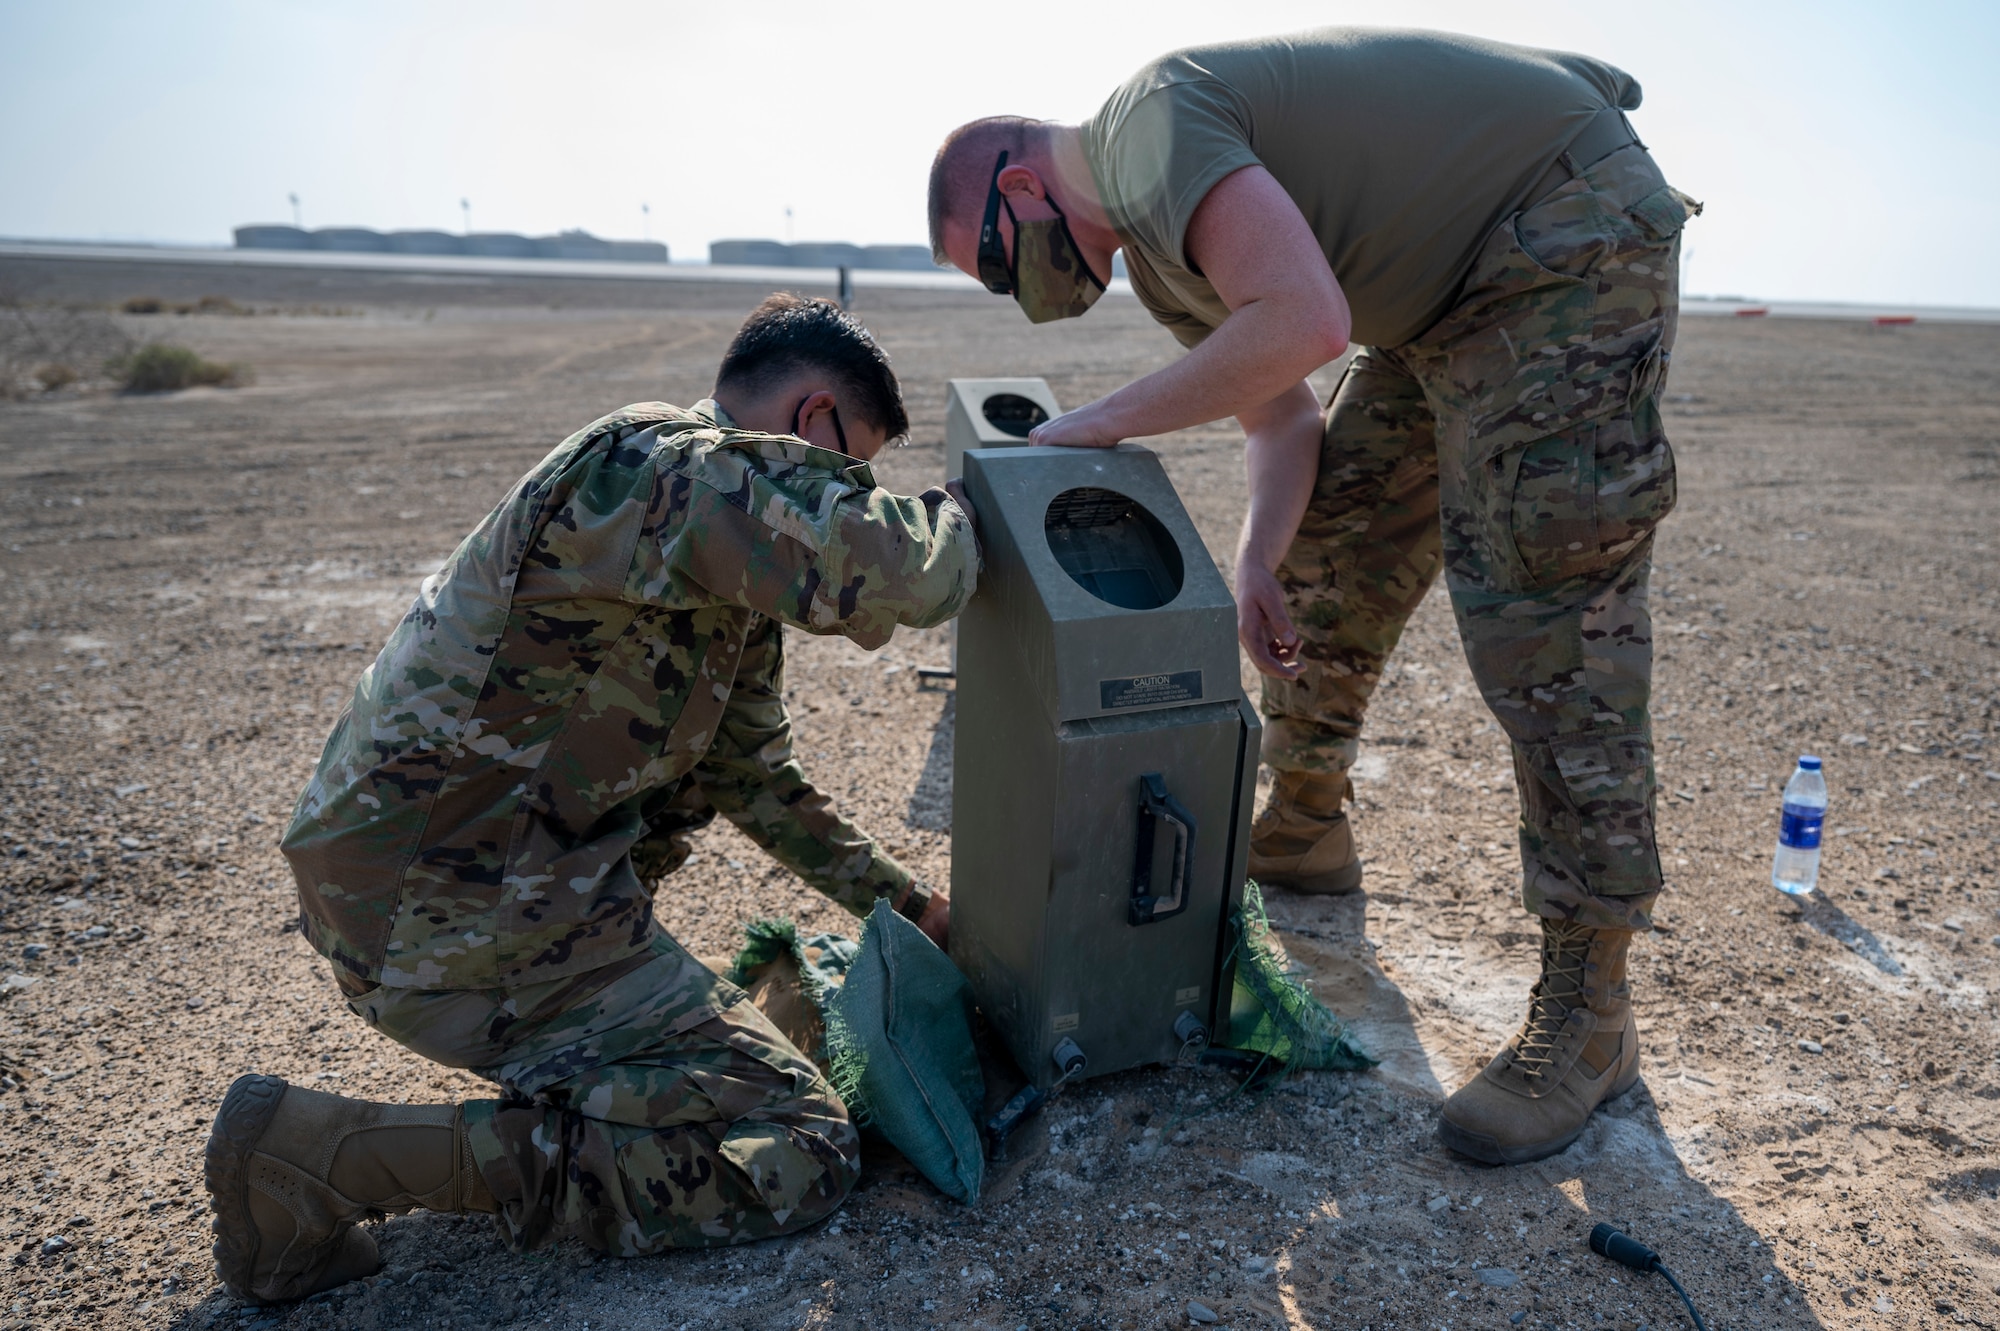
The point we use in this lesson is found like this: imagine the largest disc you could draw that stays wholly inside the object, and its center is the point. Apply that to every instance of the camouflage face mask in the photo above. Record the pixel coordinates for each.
(1048, 278)
(1051, 280)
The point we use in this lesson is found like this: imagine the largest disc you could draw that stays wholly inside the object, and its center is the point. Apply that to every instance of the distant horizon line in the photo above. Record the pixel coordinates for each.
(106, 248)
(127, 238)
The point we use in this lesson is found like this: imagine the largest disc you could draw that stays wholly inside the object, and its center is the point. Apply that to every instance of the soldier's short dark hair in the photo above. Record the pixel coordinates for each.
(962, 171)
(789, 333)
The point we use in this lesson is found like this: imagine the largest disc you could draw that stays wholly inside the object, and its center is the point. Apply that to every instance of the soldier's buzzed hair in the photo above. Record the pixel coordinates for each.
(962, 171)
(789, 333)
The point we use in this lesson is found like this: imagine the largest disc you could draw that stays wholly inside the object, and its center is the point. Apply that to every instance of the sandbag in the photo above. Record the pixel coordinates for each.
(1272, 1009)
(899, 1045)
(791, 979)
(890, 1019)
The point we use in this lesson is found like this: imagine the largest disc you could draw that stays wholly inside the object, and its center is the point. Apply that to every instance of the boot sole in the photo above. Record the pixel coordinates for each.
(1339, 883)
(1478, 1146)
(246, 1112)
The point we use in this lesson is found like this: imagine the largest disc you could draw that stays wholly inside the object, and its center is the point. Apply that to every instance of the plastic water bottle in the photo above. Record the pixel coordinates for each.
(1795, 867)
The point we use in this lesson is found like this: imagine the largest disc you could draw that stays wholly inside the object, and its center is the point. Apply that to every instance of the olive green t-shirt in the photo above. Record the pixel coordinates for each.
(1403, 149)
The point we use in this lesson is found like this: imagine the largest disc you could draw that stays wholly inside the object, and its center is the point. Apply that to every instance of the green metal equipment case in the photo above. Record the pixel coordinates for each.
(1104, 764)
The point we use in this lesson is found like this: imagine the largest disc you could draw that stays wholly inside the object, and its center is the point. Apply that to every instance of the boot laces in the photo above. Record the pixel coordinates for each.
(1565, 955)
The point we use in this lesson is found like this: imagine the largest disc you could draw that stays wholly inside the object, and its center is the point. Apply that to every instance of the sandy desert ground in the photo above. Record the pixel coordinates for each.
(189, 584)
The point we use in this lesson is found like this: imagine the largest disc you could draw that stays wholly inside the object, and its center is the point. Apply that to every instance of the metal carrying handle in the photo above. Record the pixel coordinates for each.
(1155, 804)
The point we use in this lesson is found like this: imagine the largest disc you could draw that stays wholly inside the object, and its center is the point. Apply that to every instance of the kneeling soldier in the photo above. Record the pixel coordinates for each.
(592, 676)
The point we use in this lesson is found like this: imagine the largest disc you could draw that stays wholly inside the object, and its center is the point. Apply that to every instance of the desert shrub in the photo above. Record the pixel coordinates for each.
(39, 343)
(143, 305)
(215, 305)
(163, 367)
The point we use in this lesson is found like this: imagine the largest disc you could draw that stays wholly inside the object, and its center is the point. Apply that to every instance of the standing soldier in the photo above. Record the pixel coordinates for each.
(1484, 220)
(594, 673)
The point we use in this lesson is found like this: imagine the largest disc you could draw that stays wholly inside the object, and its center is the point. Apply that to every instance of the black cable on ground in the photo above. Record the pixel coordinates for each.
(1629, 1252)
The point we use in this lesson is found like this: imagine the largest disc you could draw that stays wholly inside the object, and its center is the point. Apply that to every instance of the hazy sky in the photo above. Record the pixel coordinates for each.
(1847, 150)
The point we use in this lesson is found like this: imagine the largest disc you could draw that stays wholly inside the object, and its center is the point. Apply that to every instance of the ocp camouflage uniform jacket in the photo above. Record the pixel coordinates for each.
(609, 630)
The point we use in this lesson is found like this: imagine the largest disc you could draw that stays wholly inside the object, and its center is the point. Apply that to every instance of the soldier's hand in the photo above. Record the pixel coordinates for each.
(1263, 626)
(955, 487)
(935, 922)
(1086, 427)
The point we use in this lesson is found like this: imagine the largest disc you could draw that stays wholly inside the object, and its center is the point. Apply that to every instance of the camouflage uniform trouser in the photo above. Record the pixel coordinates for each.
(647, 1105)
(1518, 445)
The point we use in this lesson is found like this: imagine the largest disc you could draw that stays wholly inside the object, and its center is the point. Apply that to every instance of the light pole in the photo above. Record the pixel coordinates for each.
(465, 206)
(645, 221)
(296, 216)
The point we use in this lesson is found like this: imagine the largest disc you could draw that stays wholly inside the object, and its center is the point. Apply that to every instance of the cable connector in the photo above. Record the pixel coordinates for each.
(1623, 1249)
(1627, 1251)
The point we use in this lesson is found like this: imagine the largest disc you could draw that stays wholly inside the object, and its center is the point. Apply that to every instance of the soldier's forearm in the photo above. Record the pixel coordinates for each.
(1281, 462)
(797, 825)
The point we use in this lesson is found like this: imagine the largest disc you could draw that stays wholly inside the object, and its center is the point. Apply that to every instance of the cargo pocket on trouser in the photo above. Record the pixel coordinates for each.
(1581, 501)
(766, 1147)
(1587, 837)
(722, 1135)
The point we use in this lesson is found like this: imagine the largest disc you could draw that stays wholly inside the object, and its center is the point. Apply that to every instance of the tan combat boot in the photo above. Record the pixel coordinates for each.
(1578, 1049)
(289, 1172)
(1303, 840)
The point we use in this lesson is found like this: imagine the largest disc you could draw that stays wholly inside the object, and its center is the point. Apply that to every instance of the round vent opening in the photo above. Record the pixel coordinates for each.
(1010, 413)
(1113, 548)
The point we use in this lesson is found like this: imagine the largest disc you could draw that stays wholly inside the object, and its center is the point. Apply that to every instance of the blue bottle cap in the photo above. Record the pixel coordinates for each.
(1808, 763)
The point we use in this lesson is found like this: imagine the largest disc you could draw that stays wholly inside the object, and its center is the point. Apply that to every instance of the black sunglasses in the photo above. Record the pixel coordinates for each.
(993, 267)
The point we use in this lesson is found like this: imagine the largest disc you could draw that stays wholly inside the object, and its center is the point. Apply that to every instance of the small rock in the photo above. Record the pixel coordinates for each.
(1437, 1203)
(197, 1004)
(16, 981)
(1258, 1265)
(1518, 1317)
(34, 951)
(1811, 1047)
(1201, 1312)
(54, 1244)
(1499, 1277)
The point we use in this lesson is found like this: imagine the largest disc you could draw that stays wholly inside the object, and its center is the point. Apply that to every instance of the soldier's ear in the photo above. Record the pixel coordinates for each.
(1019, 182)
(818, 402)
(812, 418)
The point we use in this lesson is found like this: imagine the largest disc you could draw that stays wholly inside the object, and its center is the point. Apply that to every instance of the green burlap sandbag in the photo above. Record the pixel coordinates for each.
(1271, 1010)
(898, 1035)
(898, 1039)
(791, 979)
(899, 1043)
